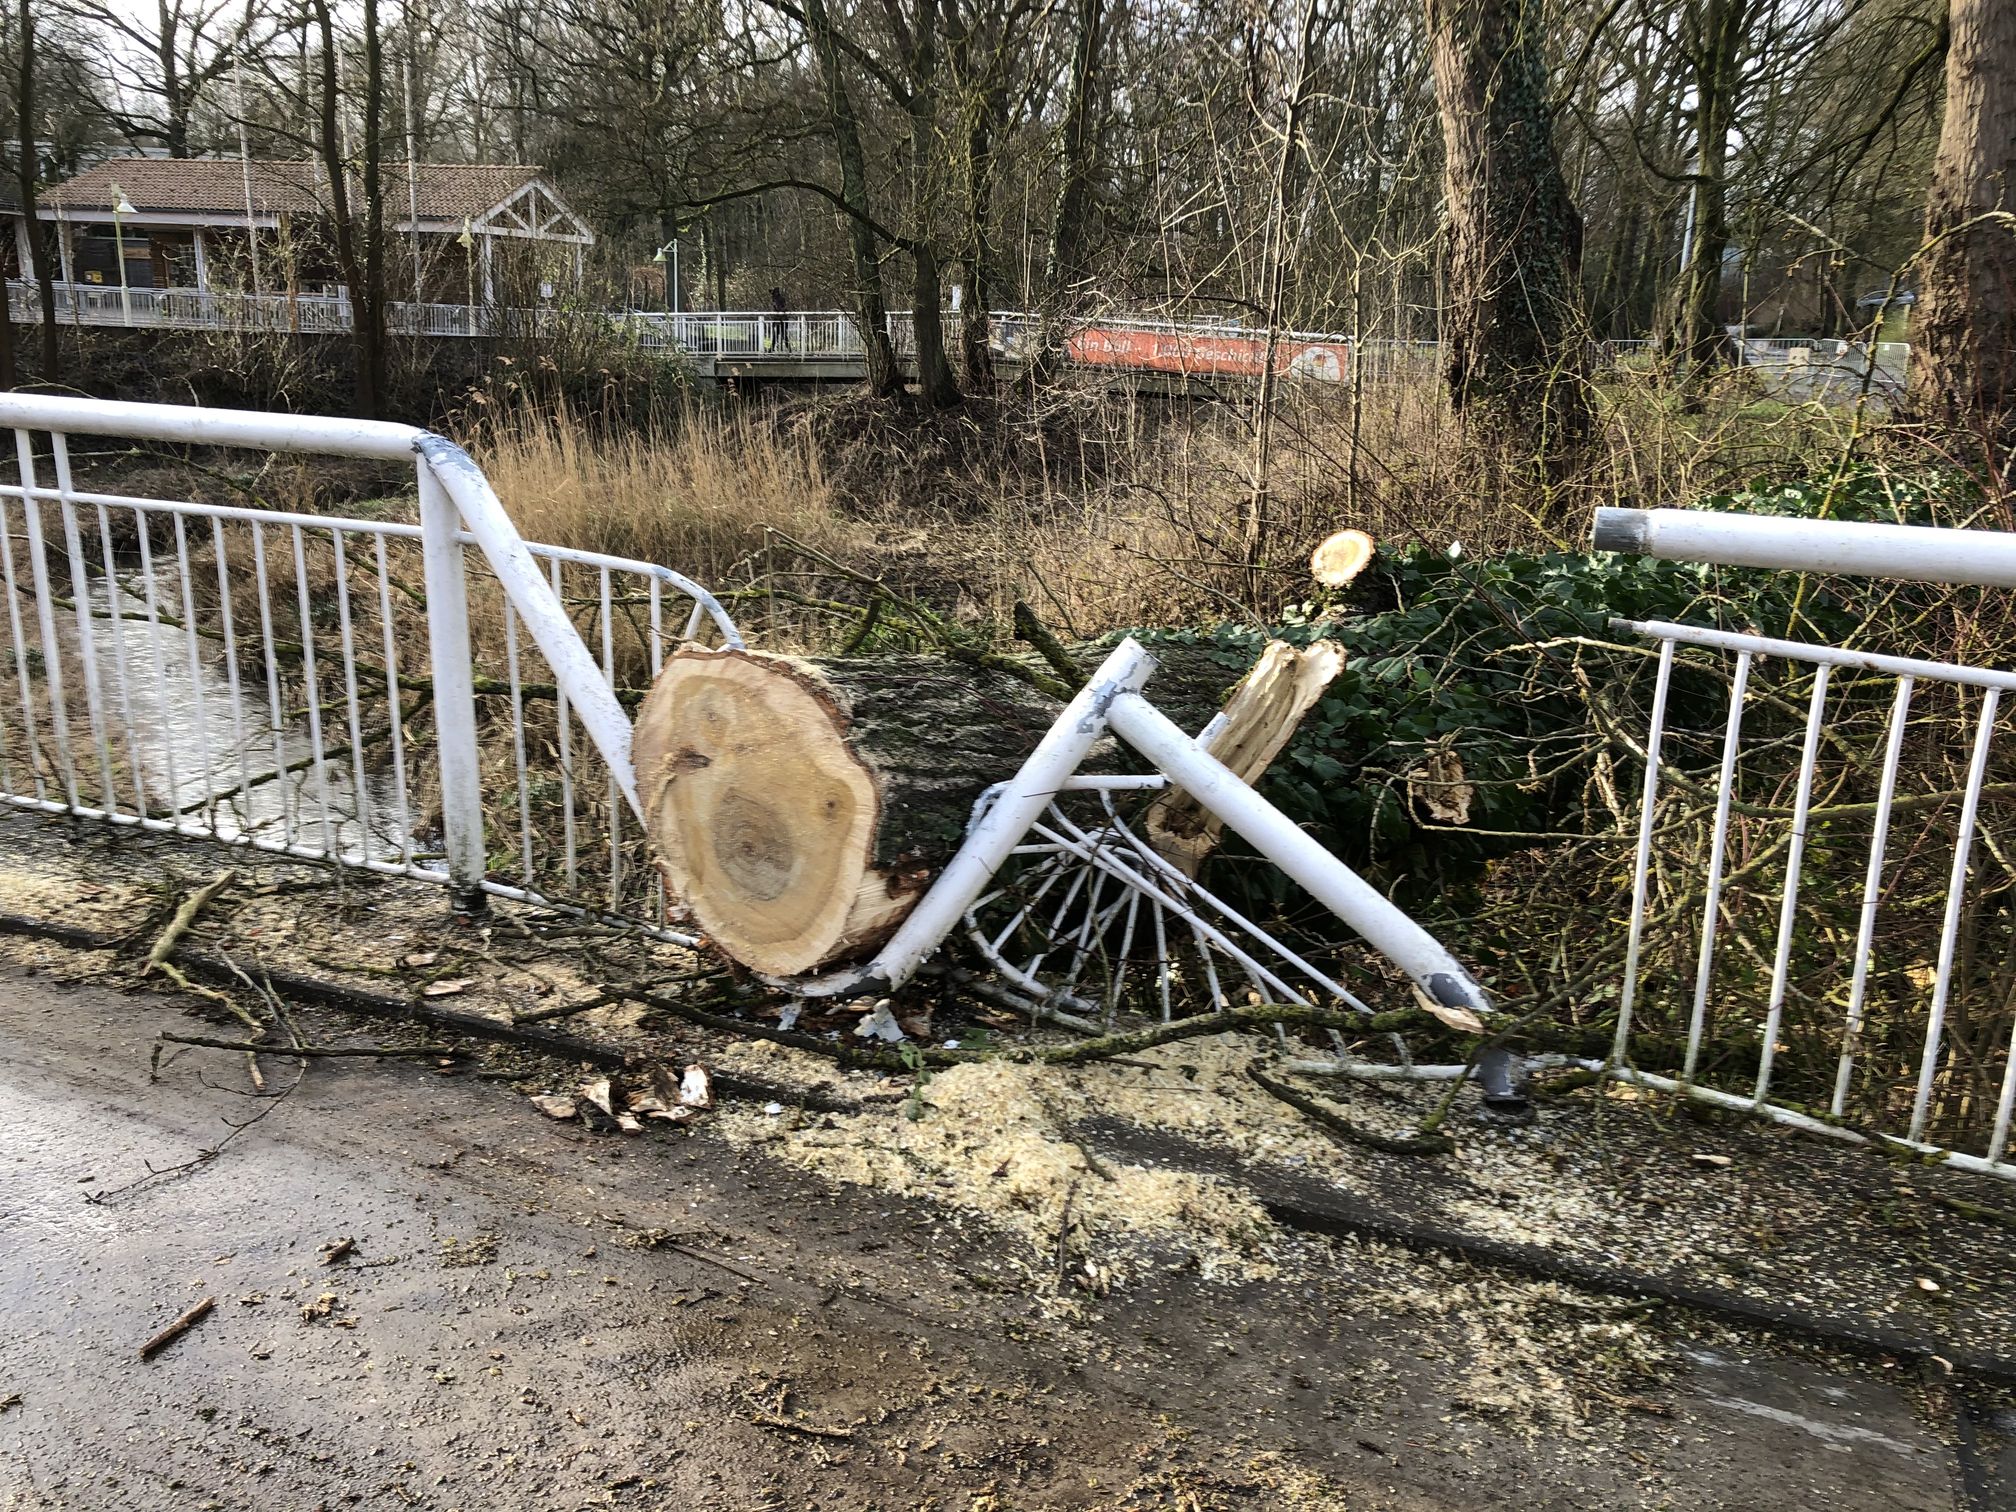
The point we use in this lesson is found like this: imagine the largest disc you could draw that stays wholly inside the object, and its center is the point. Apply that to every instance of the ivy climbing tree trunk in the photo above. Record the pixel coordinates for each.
(1515, 358)
(1963, 344)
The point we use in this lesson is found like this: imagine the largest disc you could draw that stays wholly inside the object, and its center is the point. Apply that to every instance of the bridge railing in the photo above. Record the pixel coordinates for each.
(434, 698)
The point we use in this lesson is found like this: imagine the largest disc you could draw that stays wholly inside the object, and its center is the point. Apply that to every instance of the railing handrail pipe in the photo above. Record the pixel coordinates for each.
(1908, 553)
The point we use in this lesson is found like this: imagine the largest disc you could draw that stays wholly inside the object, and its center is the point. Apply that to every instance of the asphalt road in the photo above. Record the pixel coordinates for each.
(533, 1317)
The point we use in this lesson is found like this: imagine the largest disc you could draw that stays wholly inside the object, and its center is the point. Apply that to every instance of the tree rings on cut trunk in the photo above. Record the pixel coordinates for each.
(799, 807)
(1339, 558)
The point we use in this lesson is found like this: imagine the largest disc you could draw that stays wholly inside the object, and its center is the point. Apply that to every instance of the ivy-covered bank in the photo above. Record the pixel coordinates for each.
(1511, 664)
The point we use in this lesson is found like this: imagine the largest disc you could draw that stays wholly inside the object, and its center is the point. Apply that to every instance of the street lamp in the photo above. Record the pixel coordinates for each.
(122, 206)
(671, 273)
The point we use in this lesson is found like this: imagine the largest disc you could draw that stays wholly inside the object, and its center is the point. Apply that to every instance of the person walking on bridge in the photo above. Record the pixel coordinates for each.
(780, 327)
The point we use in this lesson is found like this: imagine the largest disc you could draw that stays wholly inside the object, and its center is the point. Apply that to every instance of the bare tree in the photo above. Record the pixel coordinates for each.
(1964, 358)
(884, 376)
(360, 251)
(163, 70)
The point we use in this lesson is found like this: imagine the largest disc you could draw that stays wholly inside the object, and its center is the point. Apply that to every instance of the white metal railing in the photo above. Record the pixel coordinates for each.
(1845, 803)
(438, 699)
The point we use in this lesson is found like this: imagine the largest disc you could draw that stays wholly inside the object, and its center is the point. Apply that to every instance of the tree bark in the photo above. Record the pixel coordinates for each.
(885, 377)
(1063, 256)
(1963, 346)
(936, 386)
(27, 172)
(370, 317)
(365, 314)
(800, 808)
(1515, 356)
(1717, 53)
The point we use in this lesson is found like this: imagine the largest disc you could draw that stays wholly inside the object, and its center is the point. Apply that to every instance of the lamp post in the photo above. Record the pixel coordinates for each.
(671, 273)
(122, 206)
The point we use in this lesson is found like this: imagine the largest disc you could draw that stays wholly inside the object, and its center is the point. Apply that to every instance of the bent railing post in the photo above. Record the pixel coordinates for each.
(1329, 881)
(475, 507)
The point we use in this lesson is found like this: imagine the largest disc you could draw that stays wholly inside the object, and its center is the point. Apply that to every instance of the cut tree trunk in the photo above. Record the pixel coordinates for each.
(800, 807)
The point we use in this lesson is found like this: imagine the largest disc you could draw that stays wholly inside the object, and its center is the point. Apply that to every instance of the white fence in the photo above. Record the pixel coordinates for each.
(1819, 896)
(436, 699)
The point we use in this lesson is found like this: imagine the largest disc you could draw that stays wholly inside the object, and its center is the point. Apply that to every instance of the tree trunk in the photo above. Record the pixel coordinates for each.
(27, 172)
(1064, 255)
(799, 808)
(885, 378)
(1697, 332)
(1515, 355)
(349, 259)
(370, 317)
(1257, 526)
(936, 386)
(1963, 345)
(976, 336)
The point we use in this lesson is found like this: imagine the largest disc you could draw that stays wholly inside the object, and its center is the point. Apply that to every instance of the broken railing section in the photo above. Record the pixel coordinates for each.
(1878, 1056)
(759, 771)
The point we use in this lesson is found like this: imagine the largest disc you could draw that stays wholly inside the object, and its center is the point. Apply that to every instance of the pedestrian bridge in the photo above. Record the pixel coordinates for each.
(732, 346)
(727, 344)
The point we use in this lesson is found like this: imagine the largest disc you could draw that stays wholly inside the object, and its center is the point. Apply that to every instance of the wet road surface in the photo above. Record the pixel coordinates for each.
(533, 1317)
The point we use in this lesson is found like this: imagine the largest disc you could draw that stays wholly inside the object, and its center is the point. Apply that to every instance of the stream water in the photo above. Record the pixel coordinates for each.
(201, 730)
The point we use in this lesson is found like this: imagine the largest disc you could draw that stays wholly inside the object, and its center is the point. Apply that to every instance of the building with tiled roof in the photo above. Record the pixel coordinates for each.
(463, 228)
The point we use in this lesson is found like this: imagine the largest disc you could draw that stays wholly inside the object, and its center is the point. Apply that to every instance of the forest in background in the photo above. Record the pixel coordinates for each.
(1282, 164)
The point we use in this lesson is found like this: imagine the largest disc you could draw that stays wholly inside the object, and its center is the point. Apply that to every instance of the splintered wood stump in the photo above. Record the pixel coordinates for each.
(799, 807)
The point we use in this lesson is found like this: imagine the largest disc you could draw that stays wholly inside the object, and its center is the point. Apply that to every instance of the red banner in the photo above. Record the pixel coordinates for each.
(1206, 355)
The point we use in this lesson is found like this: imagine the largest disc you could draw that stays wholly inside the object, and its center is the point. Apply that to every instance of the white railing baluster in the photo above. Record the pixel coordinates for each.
(1872, 892)
(395, 719)
(451, 666)
(1642, 866)
(361, 789)
(311, 689)
(1949, 932)
(45, 616)
(87, 637)
(275, 710)
(1711, 907)
(1795, 860)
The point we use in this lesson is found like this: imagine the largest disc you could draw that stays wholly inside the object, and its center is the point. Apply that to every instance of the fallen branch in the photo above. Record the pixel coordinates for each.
(309, 1052)
(179, 1327)
(1033, 631)
(194, 904)
(785, 1425)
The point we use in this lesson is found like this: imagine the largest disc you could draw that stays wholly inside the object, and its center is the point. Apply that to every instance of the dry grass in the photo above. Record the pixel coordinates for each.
(701, 497)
